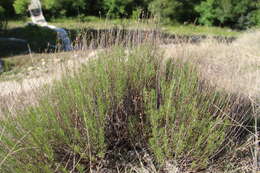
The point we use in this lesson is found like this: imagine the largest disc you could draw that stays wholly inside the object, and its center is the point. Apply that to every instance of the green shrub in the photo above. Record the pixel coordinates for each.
(124, 99)
(185, 124)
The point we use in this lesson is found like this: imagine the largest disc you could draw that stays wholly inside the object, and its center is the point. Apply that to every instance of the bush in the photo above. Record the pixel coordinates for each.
(122, 100)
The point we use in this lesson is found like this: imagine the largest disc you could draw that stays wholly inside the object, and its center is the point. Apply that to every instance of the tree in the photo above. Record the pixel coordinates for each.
(6, 11)
(21, 6)
(235, 13)
(53, 7)
(177, 10)
(117, 8)
(165, 9)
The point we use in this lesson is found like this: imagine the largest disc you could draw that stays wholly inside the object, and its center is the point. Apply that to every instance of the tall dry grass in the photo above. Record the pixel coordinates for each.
(234, 67)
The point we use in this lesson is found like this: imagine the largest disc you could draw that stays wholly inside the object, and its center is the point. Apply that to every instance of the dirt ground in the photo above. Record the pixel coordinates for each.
(21, 89)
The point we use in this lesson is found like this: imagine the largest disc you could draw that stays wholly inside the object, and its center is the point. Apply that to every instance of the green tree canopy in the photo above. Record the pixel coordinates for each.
(234, 13)
(178, 10)
(238, 13)
(53, 7)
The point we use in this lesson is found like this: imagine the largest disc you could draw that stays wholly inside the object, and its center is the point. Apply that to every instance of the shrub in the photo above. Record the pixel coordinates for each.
(125, 99)
(185, 125)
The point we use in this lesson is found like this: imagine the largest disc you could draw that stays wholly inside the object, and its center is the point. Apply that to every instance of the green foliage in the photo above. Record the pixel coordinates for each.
(255, 18)
(123, 99)
(163, 9)
(236, 13)
(207, 13)
(239, 14)
(201, 30)
(116, 8)
(53, 7)
(184, 126)
(21, 6)
(64, 7)
(175, 10)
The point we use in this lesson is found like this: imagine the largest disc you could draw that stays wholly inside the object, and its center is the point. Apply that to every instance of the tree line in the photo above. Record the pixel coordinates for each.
(238, 14)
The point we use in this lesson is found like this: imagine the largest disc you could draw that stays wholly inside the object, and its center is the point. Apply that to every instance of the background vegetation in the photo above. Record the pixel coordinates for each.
(239, 14)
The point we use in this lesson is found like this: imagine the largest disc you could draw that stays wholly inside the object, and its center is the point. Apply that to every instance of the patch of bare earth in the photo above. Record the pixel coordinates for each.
(24, 89)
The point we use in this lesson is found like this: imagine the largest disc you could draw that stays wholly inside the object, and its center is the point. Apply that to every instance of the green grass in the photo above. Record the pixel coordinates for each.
(121, 101)
(200, 30)
(88, 22)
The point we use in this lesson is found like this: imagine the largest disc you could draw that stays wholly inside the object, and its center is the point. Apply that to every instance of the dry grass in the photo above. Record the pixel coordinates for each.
(20, 87)
(234, 67)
